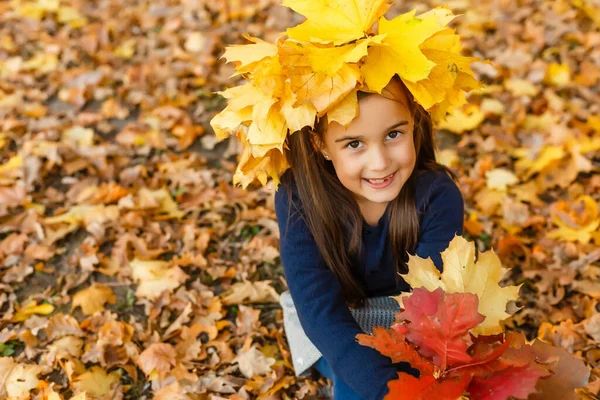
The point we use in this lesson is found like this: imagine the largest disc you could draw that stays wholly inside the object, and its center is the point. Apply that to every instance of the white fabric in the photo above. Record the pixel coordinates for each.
(378, 311)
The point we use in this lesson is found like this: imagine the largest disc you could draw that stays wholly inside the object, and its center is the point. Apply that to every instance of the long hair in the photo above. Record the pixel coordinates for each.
(332, 214)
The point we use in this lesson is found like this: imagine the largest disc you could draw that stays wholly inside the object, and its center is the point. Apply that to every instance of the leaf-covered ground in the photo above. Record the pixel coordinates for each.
(130, 267)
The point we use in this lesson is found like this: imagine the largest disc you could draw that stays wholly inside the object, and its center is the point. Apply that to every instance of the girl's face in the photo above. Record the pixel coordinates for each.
(374, 157)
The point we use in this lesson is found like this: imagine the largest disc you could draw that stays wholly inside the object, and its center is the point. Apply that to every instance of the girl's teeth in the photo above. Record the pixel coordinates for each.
(376, 181)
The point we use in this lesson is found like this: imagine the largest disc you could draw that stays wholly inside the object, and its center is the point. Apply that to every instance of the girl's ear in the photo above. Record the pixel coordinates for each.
(316, 142)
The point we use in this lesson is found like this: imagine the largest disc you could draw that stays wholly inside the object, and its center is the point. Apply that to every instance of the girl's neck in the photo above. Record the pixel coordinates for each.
(372, 213)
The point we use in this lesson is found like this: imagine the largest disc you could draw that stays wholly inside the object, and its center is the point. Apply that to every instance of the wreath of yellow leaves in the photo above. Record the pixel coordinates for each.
(317, 67)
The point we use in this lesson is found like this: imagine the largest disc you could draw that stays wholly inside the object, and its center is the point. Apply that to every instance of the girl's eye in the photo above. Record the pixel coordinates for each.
(394, 134)
(356, 142)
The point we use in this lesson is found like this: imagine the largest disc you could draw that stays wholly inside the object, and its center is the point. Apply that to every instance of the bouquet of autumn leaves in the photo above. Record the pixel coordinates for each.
(449, 329)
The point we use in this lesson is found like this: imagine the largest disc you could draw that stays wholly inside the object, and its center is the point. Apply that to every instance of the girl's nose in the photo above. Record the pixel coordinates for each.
(378, 159)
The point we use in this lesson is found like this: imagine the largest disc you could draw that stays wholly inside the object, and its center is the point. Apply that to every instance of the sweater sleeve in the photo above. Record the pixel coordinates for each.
(443, 217)
(323, 314)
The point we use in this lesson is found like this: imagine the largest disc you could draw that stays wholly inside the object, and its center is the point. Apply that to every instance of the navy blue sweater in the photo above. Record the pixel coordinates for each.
(317, 293)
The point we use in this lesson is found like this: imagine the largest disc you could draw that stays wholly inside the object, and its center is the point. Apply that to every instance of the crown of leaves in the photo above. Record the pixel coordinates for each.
(317, 67)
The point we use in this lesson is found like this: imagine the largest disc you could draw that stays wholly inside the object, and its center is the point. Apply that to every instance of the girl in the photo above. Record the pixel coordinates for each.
(353, 204)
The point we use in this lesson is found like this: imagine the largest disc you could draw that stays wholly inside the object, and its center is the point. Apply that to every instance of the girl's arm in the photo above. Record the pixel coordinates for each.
(323, 314)
(442, 218)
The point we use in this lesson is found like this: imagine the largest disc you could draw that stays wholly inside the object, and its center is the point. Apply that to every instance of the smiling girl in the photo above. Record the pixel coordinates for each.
(340, 115)
(371, 194)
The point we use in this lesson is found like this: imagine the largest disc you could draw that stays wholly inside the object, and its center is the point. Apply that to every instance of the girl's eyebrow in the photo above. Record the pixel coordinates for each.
(397, 124)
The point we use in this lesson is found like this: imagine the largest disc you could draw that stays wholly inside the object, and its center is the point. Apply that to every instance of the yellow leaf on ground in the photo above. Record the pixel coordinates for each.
(576, 221)
(154, 277)
(96, 382)
(28, 309)
(461, 120)
(500, 178)
(447, 157)
(93, 298)
(79, 135)
(158, 357)
(250, 292)
(253, 362)
(463, 274)
(521, 87)
(558, 74)
(17, 380)
(530, 163)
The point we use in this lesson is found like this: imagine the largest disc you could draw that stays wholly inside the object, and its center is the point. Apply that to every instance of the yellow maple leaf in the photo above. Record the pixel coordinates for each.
(79, 135)
(320, 89)
(399, 51)
(463, 274)
(521, 87)
(447, 157)
(451, 75)
(157, 358)
(126, 49)
(335, 21)
(38, 9)
(268, 129)
(577, 221)
(297, 118)
(96, 381)
(17, 380)
(249, 168)
(345, 111)
(228, 121)
(12, 167)
(71, 16)
(558, 75)
(166, 207)
(530, 162)
(461, 120)
(500, 178)
(245, 56)
(93, 298)
(239, 110)
(325, 59)
(153, 277)
(250, 292)
(84, 215)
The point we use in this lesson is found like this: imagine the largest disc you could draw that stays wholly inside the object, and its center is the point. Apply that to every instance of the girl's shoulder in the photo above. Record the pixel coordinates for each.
(286, 197)
(426, 179)
(435, 186)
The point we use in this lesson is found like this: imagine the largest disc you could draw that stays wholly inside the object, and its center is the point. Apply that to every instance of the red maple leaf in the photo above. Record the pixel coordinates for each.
(451, 361)
(516, 382)
(427, 387)
(393, 344)
(440, 324)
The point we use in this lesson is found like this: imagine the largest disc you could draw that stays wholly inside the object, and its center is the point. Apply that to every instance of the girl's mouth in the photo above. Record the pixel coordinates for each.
(380, 183)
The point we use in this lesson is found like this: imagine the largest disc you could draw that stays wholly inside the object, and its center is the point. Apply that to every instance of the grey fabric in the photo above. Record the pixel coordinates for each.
(378, 311)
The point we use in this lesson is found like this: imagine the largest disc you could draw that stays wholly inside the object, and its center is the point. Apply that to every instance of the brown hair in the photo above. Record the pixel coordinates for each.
(334, 218)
